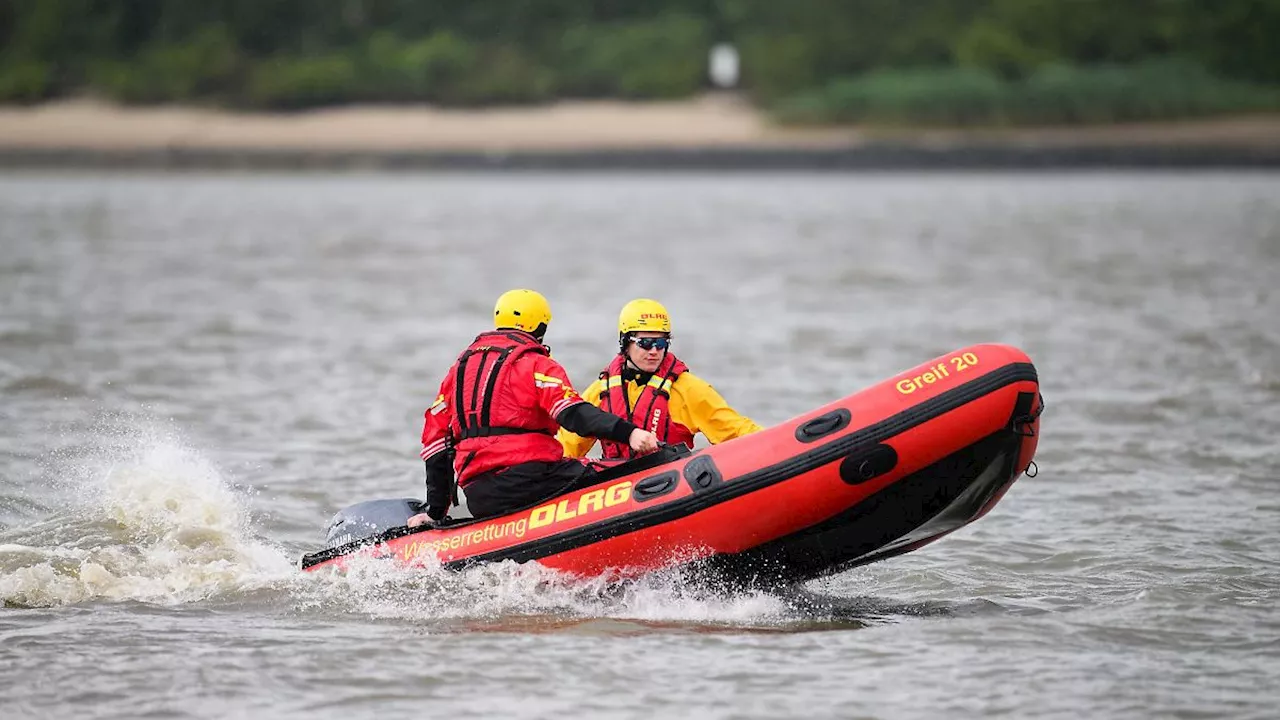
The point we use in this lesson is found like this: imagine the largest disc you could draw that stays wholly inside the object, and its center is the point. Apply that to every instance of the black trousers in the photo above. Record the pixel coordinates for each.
(501, 491)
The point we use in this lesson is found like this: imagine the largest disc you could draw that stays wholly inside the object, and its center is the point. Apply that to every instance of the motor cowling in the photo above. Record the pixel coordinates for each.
(369, 519)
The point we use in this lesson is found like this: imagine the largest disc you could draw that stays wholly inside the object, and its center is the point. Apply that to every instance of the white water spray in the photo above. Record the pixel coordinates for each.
(158, 525)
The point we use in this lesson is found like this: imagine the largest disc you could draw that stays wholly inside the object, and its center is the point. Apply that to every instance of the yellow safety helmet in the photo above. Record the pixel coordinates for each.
(523, 310)
(643, 315)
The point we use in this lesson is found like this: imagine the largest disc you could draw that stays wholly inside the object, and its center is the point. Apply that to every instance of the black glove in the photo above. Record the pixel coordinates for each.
(439, 486)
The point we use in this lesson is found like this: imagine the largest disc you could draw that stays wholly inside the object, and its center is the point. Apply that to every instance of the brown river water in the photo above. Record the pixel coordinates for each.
(197, 370)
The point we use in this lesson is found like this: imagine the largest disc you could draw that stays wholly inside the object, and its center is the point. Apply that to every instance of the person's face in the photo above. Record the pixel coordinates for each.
(649, 359)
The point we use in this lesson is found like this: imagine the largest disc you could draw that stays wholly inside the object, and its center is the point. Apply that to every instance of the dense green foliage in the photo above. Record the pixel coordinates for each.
(938, 61)
(1052, 94)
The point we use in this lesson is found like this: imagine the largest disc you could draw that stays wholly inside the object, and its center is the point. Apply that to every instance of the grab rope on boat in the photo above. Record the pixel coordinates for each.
(1022, 424)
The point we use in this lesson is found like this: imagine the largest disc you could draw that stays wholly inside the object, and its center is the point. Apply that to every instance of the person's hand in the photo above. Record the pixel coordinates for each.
(419, 519)
(643, 441)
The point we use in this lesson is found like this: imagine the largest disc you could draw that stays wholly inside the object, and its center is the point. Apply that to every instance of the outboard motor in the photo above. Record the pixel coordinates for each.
(369, 519)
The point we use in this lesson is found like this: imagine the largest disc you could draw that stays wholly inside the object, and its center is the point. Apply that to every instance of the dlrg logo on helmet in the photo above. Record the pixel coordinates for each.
(644, 315)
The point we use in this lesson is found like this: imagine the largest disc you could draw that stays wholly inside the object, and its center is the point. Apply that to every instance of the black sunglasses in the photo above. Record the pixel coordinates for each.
(648, 343)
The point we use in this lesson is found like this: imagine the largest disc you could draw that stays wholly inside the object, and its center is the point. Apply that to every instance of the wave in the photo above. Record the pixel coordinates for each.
(45, 385)
(159, 525)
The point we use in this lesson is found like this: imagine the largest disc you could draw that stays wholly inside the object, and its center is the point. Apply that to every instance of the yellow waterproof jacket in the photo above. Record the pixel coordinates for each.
(694, 404)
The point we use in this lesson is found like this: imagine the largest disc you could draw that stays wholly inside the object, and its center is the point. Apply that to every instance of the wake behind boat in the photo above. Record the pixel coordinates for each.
(879, 473)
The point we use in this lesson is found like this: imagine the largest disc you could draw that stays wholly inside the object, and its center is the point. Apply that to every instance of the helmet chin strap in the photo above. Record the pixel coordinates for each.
(631, 371)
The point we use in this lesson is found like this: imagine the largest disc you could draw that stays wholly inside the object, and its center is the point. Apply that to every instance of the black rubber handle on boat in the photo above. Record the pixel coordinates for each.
(823, 425)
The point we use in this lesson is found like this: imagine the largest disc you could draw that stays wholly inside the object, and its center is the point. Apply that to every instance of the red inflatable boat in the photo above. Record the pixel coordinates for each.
(876, 474)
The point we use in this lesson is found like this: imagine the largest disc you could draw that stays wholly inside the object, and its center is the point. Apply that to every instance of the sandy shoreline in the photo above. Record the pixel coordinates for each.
(711, 131)
(707, 122)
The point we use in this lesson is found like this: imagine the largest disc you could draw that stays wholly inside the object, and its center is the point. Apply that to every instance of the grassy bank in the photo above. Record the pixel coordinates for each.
(1052, 95)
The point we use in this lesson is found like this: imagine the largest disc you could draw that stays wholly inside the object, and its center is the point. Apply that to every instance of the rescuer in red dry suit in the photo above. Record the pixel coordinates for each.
(493, 424)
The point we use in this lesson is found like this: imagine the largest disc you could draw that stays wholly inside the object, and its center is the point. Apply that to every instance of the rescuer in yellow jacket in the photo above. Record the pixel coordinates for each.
(649, 386)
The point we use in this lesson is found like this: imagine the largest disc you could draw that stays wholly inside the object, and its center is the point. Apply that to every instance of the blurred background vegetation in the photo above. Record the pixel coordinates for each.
(911, 62)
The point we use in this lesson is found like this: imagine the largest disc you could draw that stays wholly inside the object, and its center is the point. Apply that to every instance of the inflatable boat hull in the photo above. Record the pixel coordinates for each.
(879, 473)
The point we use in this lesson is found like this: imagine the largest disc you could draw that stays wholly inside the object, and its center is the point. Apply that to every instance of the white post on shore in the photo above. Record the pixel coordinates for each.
(722, 65)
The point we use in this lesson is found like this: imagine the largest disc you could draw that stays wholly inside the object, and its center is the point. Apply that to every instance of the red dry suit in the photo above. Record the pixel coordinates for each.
(498, 404)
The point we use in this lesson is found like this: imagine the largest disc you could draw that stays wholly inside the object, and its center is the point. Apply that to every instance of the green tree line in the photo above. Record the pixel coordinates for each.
(942, 61)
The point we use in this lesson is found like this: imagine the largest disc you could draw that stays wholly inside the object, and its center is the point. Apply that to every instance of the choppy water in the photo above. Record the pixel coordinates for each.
(197, 370)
